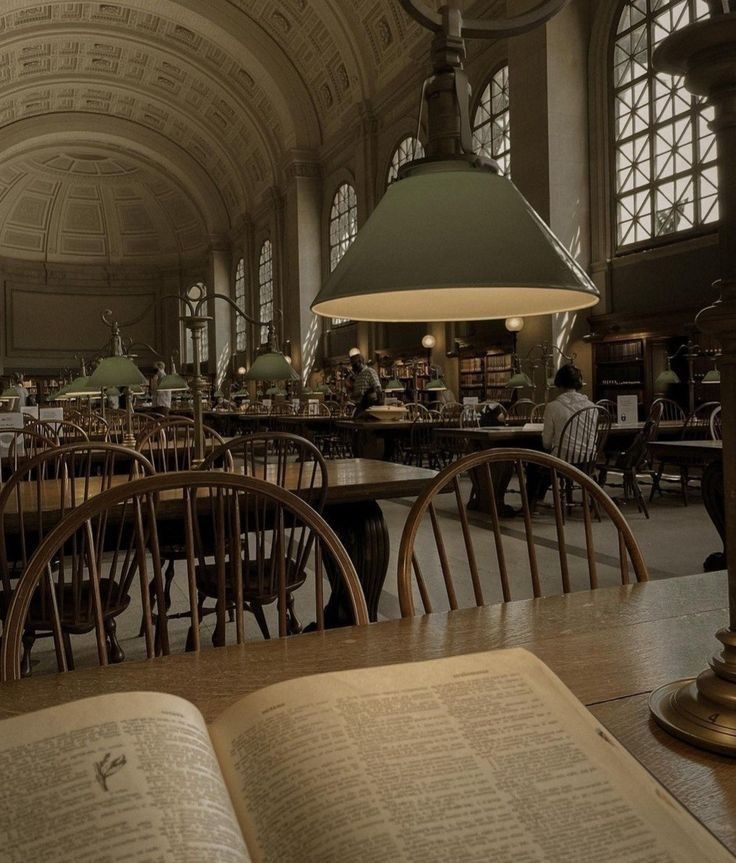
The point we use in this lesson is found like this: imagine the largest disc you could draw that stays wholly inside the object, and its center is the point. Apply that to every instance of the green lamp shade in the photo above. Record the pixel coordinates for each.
(519, 381)
(437, 385)
(173, 383)
(10, 393)
(81, 386)
(271, 366)
(712, 377)
(116, 372)
(394, 386)
(666, 378)
(476, 250)
(275, 391)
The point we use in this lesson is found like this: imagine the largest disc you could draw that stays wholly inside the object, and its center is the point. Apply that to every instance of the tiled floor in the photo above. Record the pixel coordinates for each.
(674, 541)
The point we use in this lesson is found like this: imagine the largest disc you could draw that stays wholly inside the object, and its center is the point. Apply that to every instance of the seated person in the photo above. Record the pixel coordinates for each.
(569, 380)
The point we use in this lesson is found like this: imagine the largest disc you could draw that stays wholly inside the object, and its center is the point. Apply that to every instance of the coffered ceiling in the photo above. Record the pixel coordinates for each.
(204, 98)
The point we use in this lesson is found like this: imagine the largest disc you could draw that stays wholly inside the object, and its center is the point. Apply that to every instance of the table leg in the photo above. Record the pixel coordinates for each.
(712, 491)
(362, 529)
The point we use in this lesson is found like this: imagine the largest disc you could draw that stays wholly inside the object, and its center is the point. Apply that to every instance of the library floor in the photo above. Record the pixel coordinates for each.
(674, 541)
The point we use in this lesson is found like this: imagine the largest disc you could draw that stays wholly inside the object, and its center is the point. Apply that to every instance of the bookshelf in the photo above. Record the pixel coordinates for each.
(620, 369)
(486, 375)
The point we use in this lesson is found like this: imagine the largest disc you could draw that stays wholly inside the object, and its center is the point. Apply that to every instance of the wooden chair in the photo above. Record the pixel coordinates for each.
(289, 461)
(610, 405)
(41, 493)
(584, 437)
(169, 445)
(18, 446)
(450, 412)
(521, 410)
(314, 410)
(256, 409)
(95, 426)
(348, 410)
(496, 562)
(469, 417)
(416, 411)
(262, 533)
(697, 427)
(64, 431)
(537, 414)
(715, 424)
(635, 460)
(671, 411)
(282, 409)
(423, 449)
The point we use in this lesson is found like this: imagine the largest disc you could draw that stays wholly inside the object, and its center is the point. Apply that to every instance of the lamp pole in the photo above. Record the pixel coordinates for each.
(195, 321)
(703, 711)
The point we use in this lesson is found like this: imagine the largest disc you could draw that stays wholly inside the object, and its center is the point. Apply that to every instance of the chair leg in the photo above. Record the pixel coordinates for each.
(640, 502)
(684, 477)
(260, 617)
(115, 652)
(29, 638)
(168, 578)
(293, 625)
(656, 487)
(68, 651)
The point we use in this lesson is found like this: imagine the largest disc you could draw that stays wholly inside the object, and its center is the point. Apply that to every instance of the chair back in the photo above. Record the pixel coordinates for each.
(256, 409)
(169, 445)
(416, 411)
(584, 437)
(636, 456)
(537, 414)
(286, 459)
(697, 425)
(65, 431)
(95, 426)
(258, 525)
(671, 410)
(500, 560)
(521, 409)
(18, 446)
(282, 409)
(47, 487)
(334, 408)
(348, 410)
(451, 411)
(314, 410)
(610, 405)
(469, 417)
(715, 424)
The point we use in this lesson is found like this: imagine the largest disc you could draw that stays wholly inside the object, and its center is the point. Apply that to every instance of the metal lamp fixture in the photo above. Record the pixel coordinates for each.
(394, 386)
(703, 711)
(477, 250)
(690, 351)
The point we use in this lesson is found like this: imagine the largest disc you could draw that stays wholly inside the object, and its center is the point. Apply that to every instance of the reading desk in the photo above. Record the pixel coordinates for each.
(611, 647)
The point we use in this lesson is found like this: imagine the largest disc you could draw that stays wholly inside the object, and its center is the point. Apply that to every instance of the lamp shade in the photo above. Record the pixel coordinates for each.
(437, 385)
(116, 372)
(519, 381)
(712, 377)
(81, 386)
(476, 251)
(271, 366)
(394, 386)
(173, 383)
(666, 378)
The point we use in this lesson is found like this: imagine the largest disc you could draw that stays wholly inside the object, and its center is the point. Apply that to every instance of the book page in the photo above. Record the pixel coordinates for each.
(476, 758)
(129, 777)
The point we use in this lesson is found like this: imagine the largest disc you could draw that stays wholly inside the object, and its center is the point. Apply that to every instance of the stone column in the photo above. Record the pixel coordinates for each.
(303, 258)
(220, 329)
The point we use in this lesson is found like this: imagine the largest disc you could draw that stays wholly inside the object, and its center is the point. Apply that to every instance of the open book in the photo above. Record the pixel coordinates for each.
(481, 758)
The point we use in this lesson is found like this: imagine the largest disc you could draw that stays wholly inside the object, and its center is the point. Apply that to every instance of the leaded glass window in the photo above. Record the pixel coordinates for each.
(240, 323)
(491, 124)
(343, 228)
(407, 151)
(665, 155)
(265, 288)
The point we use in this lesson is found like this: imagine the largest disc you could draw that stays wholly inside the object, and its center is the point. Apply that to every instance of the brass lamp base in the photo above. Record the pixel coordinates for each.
(702, 711)
(129, 440)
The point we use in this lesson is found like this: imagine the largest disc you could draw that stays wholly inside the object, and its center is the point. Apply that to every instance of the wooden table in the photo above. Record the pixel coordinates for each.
(611, 647)
(354, 488)
(378, 438)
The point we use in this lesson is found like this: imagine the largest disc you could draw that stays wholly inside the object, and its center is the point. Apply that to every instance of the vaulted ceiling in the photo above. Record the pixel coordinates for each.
(204, 97)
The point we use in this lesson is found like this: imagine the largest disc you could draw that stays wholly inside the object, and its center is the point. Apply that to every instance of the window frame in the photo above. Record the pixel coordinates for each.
(266, 308)
(332, 218)
(241, 325)
(488, 83)
(703, 229)
(418, 149)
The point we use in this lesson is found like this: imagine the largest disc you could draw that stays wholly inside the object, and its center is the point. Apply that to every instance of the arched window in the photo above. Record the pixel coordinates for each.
(665, 156)
(240, 323)
(195, 293)
(265, 287)
(343, 227)
(491, 124)
(407, 151)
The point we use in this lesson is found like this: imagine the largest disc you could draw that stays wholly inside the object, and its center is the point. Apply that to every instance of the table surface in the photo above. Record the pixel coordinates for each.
(680, 446)
(348, 480)
(610, 646)
(511, 431)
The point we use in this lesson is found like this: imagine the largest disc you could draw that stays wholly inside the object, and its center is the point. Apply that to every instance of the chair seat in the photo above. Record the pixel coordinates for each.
(263, 588)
